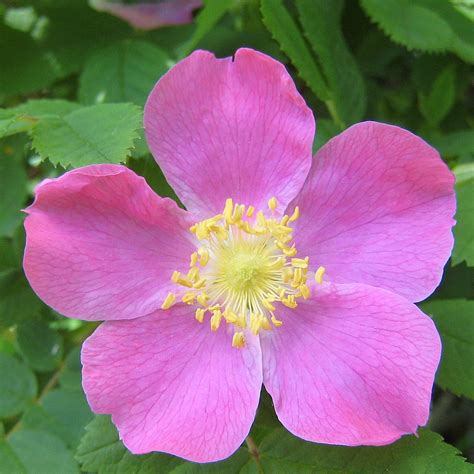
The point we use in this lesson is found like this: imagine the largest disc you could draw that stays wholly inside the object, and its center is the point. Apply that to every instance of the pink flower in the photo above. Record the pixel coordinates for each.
(345, 354)
(150, 15)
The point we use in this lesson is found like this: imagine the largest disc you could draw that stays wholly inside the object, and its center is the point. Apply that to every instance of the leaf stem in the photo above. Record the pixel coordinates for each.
(253, 450)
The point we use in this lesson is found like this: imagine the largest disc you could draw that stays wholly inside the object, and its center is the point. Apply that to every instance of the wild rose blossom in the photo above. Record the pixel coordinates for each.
(296, 272)
(150, 15)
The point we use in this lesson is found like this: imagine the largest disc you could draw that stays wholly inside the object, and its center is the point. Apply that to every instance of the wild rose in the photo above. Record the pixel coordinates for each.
(150, 15)
(296, 272)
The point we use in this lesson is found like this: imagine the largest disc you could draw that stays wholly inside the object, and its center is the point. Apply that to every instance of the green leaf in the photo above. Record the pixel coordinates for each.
(96, 134)
(101, 451)
(7, 256)
(321, 22)
(25, 66)
(70, 377)
(21, 19)
(326, 129)
(64, 413)
(74, 31)
(9, 462)
(149, 169)
(24, 117)
(464, 172)
(13, 193)
(285, 31)
(17, 300)
(435, 105)
(282, 453)
(456, 144)
(40, 452)
(279, 452)
(17, 386)
(427, 25)
(40, 108)
(70, 412)
(206, 19)
(454, 319)
(41, 346)
(464, 229)
(123, 72)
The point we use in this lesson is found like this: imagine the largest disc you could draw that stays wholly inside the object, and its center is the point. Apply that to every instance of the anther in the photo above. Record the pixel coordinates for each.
(300, 262)
(295, 215)
(198, 284)
(229, 206)
(193, 274)
(169, 301)
(194, 259)
(204, 256)
(276, 322)
(188, 297)
(216, 319)
(267, 304)
(318, 276)
(200, 314)
(238, 340)
(203, 298)
(304, 289)
(272, 203)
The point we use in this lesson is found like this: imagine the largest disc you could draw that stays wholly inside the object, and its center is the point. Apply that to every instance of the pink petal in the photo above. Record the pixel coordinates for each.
(353, 365)
(234, 127)
(102, 245)
(377, 208)
(147, 15)
(172, 385)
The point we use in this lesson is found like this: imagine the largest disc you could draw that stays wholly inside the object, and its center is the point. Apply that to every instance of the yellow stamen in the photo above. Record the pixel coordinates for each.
(277, 323)
(194, 259)
(268, 305)
(200, 315)
(216, 319)
(177, 278)
(305, 291)
(290, 301)
(188, 298)
(238, 340)
(203, 298)
(193, 274)
(204, 256)
(198, 284)
(169, 301)
(246, 264)
(272, 203)
(295, 215)
(229, 206)
(297, 278)
(318, 276)
(300, 262)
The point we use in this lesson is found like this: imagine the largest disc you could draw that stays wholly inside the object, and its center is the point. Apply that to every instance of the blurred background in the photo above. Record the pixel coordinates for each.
(404, 62)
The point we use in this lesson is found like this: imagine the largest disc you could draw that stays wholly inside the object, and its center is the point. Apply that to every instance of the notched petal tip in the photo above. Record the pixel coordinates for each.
(196, 110)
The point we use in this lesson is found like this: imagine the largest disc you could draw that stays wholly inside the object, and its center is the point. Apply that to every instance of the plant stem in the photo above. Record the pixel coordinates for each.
(253, 450)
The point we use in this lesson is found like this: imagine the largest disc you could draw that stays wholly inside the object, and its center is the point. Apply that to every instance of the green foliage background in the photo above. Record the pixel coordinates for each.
(73, 82)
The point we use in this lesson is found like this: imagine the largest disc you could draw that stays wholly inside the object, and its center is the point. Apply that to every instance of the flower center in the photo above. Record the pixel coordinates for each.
(244, 263)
